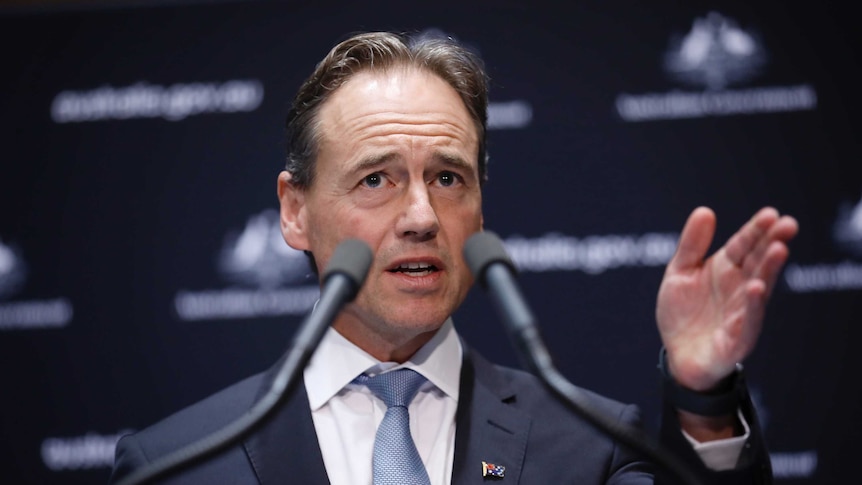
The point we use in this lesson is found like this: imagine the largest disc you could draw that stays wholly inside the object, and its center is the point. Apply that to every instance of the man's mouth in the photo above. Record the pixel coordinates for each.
(414, 269)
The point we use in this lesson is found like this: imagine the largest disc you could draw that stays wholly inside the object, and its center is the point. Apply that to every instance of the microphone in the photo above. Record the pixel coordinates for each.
(490, 264)
(341, 281)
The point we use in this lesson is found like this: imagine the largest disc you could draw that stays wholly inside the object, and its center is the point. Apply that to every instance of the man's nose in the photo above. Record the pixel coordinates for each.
(419, 219)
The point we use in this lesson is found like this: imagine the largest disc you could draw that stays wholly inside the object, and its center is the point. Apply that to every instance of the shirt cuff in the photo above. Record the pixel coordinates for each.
(720, 455)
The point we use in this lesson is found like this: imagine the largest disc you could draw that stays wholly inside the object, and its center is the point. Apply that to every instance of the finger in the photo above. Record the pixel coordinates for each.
(695, 239)
(755, 292)
(786, 228)
(774, 259)
(783, 230)
(743, 326)
(756, 297)
(745, 240)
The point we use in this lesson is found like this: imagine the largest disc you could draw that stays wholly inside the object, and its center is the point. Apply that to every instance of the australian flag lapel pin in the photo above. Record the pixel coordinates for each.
(492, 470)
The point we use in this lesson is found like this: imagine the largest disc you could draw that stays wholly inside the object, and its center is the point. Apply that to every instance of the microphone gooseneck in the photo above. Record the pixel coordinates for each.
(341, 281)
(494, 270)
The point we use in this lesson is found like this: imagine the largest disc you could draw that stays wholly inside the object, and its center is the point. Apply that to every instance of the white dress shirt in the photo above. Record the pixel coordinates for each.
(346, 415)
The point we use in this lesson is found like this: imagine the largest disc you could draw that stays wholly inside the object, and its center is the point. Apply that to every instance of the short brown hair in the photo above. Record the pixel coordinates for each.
(443, 56)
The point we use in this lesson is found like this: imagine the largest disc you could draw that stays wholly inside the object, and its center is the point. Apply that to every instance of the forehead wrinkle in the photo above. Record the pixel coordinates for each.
(366, 129)
(346, 118)
(426, 124)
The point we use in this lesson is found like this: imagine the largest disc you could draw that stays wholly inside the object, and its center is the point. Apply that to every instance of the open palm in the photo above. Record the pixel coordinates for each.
(710, 310)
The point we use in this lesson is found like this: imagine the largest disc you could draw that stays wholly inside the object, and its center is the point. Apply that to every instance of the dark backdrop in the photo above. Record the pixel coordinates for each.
(141, 268)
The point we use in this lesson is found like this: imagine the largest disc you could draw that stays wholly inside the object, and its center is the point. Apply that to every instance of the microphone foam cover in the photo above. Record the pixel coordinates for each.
(482, 249)
(351, 258)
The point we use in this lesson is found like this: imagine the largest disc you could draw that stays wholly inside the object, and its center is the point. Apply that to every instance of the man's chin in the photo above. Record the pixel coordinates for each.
(409, 316)
(416, 324)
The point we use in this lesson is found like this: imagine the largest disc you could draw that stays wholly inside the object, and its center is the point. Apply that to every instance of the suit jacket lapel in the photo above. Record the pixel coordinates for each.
(488, 428)
(287, 444)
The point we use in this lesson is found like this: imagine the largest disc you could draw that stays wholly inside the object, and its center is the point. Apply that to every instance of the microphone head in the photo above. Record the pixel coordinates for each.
(482, 249)
(351, 258)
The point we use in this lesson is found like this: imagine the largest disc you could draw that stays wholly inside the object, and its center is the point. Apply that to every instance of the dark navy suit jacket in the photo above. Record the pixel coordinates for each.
(505, 416)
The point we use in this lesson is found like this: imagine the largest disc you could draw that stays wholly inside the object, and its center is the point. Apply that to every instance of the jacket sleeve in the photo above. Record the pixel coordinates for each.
(753, 467)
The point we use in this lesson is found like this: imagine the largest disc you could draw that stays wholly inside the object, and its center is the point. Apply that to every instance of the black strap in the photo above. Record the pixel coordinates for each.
(721, 401)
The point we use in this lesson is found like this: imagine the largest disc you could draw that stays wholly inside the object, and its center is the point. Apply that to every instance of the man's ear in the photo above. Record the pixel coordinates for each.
(293, 218)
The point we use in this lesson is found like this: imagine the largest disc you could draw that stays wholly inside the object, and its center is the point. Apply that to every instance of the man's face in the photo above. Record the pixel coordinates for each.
(397, 169)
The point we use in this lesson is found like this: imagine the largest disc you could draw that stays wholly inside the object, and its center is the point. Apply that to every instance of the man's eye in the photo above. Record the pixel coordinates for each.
(447, 179)
(373, 180)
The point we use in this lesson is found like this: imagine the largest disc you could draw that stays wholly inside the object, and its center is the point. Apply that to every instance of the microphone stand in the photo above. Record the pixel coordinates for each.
(519, 321)
(342, 280)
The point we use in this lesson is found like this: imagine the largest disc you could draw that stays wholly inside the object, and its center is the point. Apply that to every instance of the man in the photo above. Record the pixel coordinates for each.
(387, 145)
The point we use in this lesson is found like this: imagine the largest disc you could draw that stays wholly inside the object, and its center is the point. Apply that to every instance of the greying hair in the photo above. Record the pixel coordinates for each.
(442, 56)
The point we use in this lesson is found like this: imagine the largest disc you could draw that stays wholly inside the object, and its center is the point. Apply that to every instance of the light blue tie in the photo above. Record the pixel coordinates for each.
(396, 461)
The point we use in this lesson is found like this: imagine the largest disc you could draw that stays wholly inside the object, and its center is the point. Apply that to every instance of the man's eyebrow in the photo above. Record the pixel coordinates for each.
(455, 161)
(376, 161)
(372, 162)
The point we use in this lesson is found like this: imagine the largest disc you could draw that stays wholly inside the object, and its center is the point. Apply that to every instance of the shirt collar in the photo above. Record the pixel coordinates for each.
(337, 361)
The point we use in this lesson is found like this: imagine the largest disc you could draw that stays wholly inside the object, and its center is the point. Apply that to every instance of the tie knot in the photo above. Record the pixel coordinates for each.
(396, 388)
